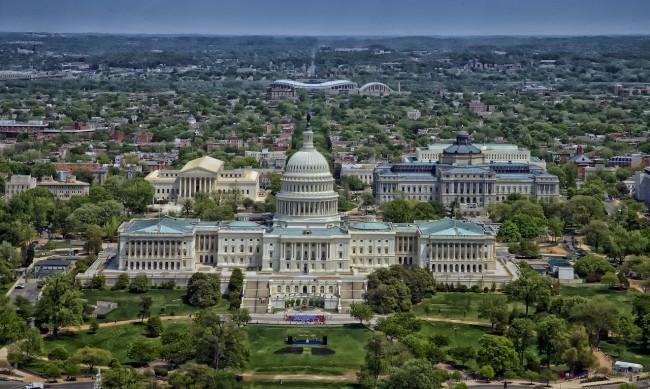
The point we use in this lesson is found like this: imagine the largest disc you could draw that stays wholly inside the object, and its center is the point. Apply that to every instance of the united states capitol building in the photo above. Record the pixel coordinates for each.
(309, 250)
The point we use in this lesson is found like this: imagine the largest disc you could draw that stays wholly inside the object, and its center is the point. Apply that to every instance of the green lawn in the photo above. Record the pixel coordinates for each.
(620, 298)
(297, 384)
(128, 303)
(464, 306)
(457, 305)
(347, 343)
(55, 245)
(459, 334)
(114, 338)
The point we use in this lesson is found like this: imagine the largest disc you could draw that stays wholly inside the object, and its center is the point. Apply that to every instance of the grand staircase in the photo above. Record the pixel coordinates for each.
(256, 295)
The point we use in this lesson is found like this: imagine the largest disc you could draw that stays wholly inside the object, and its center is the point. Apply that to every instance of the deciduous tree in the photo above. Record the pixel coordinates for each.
(497, 352)
(154, 327)
(361, 312)
(550, 338)
(60, 304)
(203, 290)
(218, 344)
(416, 374)
(142, 350)
(462, 354)
(529, 289)
(521, 332)
(92, 357)
(240, 316)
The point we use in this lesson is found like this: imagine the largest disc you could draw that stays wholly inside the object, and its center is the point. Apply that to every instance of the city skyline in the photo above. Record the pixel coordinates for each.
(336, 17)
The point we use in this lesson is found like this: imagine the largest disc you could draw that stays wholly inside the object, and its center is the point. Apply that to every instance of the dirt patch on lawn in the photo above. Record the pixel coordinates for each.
(553, 250)
(603, 361)
(289, 350)
(638, 285)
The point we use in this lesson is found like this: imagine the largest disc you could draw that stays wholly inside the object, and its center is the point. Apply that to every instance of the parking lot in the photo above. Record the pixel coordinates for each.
(30, 291)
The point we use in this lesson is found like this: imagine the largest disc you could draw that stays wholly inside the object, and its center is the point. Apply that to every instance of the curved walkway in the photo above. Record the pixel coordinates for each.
(458, 321)
(118, 322)
(347, 377)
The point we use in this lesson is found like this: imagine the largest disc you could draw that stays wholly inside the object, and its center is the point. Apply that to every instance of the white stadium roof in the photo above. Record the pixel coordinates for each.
(320, 85)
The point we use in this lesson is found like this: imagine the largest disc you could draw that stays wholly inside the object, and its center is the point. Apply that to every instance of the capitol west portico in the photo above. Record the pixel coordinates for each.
(308, 252)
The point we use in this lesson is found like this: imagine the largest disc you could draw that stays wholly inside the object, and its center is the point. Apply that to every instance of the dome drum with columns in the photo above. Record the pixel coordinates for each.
(307, 192)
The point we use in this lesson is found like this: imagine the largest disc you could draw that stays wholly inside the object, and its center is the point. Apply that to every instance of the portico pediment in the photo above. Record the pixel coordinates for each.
(203, 164)
(198, 172)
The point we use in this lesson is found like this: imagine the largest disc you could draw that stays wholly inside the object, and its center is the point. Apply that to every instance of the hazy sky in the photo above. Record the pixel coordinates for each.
(330, 17)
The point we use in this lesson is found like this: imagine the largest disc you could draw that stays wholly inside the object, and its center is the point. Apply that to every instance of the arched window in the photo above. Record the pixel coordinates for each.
(330, 289)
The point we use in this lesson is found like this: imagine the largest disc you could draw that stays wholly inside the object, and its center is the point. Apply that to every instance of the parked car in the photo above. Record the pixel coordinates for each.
(20, 286)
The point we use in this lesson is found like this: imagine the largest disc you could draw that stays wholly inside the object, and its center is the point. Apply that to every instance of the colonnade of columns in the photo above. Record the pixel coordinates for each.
(205, 243)
(454, 251)
(547, 189)
(405, 244)
(153, 265)
(188, 186)
(307, 208)
(155, 249)
(468, 187)
(306, 251)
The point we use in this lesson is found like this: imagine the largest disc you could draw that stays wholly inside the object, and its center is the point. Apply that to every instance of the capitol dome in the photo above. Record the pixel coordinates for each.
(307, 196)
(308, 160)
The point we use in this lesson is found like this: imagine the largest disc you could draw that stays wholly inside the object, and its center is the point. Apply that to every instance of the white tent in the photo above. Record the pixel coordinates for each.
(627, 367)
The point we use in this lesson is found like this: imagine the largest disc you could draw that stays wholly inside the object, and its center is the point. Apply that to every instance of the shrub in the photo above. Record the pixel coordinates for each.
(485, 290)
(440, 340)
(169, 285)
(475, 289)
(122, 282)
(592, 278)
(625, 283)
(58, 354)
(71, 368)
(53, 371)
(140, 284)
(94, 326)
(160, 371)
(154, 327)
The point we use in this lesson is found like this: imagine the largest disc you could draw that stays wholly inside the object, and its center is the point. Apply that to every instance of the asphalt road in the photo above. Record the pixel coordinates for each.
(62, 385)
(568, 238)
(610, 207)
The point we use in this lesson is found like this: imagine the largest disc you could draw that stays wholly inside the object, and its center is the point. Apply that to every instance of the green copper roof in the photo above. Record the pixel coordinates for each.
(165, 225)
(451, 227)
(376, 226)
(243, 224)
